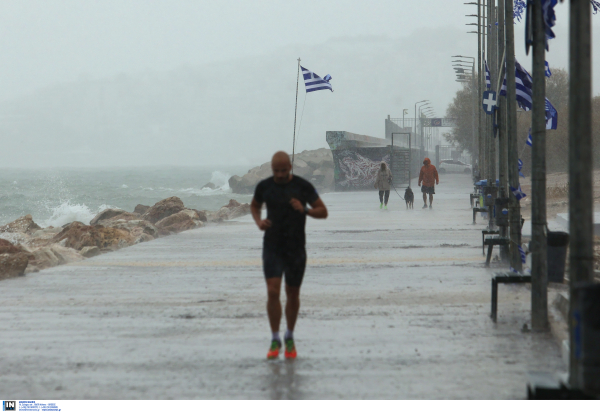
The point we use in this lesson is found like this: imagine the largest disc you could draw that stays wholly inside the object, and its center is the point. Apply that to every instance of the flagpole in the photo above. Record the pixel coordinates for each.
(295, 115)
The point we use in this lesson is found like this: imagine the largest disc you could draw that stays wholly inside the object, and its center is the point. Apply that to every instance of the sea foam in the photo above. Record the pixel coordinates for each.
(67, 213)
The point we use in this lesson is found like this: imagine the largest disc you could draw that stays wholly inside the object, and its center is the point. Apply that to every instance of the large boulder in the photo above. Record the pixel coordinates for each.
(239, 211)
(24, 224)
(178, 222)
(124, 217)
(13, 264)
(78, 236)
(106, 214)
(8, 247)
(135, 227)
(141, 209)
(54, 255)
(201, 215)
(44, 237)
(235, 183)
(164, 208)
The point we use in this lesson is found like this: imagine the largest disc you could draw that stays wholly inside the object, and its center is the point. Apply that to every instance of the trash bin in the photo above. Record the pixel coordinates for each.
(557, 255)
(586, 314)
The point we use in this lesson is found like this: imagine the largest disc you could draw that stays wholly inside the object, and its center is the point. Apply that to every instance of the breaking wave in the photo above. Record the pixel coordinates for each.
(220, 181)
(67, 213)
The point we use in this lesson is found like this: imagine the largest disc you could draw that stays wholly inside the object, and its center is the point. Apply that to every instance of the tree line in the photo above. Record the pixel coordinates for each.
(557, 144)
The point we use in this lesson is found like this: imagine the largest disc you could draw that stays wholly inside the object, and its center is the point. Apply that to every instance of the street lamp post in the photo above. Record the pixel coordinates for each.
(421, 140)
(416, 117)
(475, 93)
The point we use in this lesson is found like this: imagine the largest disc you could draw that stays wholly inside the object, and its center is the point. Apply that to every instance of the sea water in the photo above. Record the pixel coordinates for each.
(55, 197)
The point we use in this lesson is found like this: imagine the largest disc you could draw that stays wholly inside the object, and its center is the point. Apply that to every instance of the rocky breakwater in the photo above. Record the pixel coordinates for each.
(26, 247)
(316, 166)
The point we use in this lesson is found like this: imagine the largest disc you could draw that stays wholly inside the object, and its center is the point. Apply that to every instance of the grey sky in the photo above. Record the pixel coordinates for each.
(43, 43)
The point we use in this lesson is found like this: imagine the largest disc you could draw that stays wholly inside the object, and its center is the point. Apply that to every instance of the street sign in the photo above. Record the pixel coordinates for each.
(438, 122)
(489, 101)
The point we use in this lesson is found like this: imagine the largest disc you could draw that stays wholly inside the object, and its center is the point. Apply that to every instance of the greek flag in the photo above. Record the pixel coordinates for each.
(523, 254)
(551, 116)
(595, 5)
(529, 141)
(549, 21)
(488, 81)
(313, 82)
(518, 192)
(548, 72)
(520, 167)
(524, 87)
(518, 9)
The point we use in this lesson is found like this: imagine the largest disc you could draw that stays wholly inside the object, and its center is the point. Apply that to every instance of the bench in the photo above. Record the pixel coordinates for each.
(476, 210)
(484, 233)
(490, 242)
(505, 278)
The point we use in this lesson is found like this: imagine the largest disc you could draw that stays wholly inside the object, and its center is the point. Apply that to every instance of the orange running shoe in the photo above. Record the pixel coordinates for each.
(290, 349)
(274, 350)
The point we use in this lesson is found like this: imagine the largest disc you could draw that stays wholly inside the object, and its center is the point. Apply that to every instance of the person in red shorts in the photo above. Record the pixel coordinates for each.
(429, 177)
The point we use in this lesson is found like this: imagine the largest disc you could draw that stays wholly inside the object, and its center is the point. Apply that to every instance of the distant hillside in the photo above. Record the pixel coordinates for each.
(234, 111)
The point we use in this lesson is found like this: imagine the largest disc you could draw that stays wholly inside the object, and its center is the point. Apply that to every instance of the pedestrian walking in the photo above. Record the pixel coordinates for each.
(429, 177)
(383, 183)
(286, 197)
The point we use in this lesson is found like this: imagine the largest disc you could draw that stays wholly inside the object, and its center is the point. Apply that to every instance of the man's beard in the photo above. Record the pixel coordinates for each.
(284, 179)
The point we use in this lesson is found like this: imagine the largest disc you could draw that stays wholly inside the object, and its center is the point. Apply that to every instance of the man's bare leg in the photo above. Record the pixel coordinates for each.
(273, 303)
(292, 306)
(425, 198)
(430, 199)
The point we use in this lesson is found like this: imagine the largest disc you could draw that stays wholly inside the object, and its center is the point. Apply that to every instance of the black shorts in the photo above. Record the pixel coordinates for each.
(428, 190)
(292, 263)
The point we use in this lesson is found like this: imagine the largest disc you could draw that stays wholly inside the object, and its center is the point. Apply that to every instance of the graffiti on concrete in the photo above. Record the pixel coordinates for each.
(356, 170)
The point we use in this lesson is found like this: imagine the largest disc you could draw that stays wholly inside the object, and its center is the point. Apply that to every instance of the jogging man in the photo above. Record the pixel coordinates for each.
(286, 197)
(429, 177)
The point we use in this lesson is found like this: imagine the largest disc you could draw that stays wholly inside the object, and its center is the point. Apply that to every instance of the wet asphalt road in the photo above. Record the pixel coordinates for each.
(395, 304)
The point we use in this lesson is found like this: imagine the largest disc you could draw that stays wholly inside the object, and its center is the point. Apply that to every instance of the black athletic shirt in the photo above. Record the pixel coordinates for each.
(287, 230)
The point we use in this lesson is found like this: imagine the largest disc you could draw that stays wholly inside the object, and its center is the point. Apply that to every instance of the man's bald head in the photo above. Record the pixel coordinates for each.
(281, 157)
(281, 166)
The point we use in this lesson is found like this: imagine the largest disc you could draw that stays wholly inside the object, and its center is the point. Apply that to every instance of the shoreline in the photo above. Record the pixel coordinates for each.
(26, 247)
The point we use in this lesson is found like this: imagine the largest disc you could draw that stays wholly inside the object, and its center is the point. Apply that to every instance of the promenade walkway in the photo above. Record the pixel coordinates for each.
(395, 304)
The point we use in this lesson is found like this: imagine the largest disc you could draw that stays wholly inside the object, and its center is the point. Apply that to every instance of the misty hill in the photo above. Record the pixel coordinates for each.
(238, 111)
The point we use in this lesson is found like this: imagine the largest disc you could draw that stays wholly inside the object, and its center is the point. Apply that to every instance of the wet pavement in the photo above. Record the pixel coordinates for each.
(395, 304)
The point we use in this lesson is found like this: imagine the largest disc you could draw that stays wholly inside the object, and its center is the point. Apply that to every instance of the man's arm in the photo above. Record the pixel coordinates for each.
(420, 177)
(255, 208)
(437, 177)
(318, 211)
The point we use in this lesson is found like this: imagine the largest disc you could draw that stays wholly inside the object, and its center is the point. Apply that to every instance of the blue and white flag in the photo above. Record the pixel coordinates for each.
(595, 5)
(518, 192)
(523, 254)
(518, 9)
(548, 72)
(551, 116)
(524, 87)
(549, 21)
(520, 163)
(313, 82)
(488, 81)
(529, 141)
